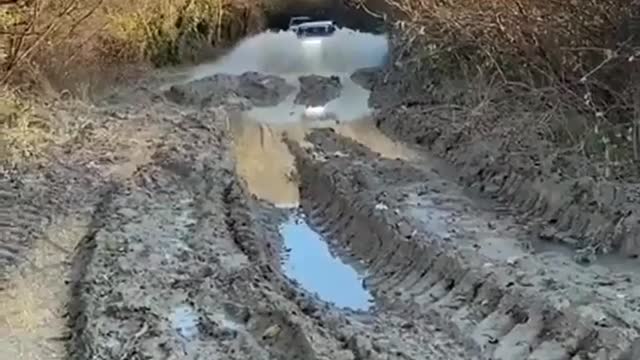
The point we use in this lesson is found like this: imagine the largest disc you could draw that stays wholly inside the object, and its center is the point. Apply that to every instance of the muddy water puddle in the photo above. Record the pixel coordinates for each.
(351, 105)
(265, 163)
(310, 262)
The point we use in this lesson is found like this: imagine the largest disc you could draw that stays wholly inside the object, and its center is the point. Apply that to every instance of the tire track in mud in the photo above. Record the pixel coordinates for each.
(179, 262)
(266, 165)
(18, 233)
(497, 310)
(79, 345)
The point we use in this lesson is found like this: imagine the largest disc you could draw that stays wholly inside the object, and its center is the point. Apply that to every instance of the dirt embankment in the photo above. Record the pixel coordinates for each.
(495, 144)
(318, 90)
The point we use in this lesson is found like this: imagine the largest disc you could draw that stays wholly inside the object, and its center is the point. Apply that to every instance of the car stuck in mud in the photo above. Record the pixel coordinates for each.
(315, 31)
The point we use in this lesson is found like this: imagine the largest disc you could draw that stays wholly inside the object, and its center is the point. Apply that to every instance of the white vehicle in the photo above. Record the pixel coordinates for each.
(316, 29)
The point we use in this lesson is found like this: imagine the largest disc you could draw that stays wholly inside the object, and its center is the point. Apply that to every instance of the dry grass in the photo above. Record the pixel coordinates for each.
(60, 39)
(169, 31)
(22, 135)
(528, 38)
(50, 46)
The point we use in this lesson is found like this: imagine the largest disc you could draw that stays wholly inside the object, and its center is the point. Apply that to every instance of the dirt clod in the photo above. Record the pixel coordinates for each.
(366, 77)
(316, 90)
(241, 91)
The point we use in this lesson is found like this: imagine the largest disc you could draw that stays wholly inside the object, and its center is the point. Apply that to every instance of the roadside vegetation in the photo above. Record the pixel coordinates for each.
(76, 47)
(558, 75)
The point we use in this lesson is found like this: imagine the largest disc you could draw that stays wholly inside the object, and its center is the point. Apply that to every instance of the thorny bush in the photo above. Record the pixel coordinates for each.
(577, 57)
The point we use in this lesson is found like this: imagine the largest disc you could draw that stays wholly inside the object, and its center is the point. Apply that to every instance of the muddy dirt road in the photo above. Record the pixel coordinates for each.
(251, 209)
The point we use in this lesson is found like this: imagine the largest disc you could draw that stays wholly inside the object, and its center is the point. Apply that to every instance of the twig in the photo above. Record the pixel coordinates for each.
(53, 25)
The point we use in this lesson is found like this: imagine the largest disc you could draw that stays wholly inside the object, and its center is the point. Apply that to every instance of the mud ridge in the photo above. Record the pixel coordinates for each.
(493, 310)
(595, 216)
(78, 346)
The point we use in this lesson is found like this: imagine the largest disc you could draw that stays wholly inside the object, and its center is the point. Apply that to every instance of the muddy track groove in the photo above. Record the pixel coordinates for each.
(423, 277)
(77, 347)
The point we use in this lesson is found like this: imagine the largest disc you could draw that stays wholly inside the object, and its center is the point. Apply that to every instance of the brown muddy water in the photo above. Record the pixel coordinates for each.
(263, 159)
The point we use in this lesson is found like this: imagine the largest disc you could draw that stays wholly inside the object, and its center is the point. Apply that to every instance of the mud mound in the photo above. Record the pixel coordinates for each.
(318, 90)
(366, 77)
(249, 89)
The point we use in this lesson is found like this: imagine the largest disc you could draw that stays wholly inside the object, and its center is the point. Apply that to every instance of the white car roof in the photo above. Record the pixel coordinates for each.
(316, 23)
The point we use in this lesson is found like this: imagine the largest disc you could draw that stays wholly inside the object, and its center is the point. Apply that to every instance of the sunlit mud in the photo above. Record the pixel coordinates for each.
(263, 160)
(33, 305)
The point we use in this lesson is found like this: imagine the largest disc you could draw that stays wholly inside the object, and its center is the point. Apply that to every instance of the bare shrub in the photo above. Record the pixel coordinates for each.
(51, 39)
(168, 31)
(572, 63)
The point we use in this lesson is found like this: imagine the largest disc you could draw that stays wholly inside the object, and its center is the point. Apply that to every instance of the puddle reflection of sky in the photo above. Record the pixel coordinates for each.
(312, 265)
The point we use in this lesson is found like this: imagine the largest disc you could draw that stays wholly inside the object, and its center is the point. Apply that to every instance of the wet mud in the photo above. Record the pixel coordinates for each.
(366, 77)
(567, 205)
(318, 90)
(251, 88)
(433, 256)
(266, 165)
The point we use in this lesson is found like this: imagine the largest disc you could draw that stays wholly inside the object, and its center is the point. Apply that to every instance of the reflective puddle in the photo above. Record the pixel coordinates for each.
(312, 265)
(263, 160)
(185, 322)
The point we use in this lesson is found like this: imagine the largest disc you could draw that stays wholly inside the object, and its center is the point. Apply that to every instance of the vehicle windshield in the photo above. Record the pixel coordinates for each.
(316, 30)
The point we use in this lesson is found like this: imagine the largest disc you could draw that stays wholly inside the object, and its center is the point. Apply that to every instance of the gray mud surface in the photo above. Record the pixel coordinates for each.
(316, 90)
(250, 89)
(366, 77)
(181, 263)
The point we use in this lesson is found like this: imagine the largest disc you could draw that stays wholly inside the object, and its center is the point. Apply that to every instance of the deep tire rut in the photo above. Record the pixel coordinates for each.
(497, 311)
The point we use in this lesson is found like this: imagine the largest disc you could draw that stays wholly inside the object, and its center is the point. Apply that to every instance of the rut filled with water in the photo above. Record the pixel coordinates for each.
(316, 268)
